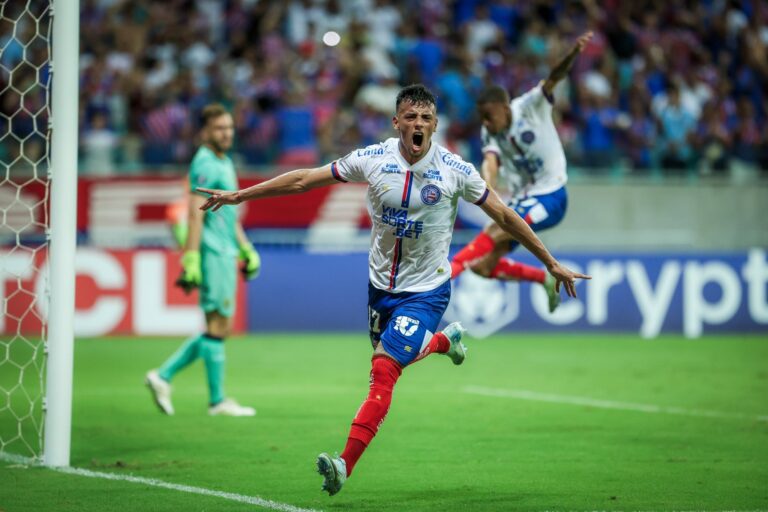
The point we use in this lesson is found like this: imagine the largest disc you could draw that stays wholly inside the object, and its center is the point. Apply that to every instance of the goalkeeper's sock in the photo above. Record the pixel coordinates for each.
(185, 355)
(212, 352)
(473, 251)
(370, 416)
(508, 270)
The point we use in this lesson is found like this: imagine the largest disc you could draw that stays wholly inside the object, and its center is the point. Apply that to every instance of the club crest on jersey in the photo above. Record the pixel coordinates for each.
(528, 137)
(406, 325)
(430, 194)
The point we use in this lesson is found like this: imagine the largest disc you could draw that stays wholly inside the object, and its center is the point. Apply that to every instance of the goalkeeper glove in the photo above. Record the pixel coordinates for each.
(251, 261)
(192, 273)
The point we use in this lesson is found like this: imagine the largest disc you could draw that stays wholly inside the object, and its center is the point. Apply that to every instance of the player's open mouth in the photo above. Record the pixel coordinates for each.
(418, 141)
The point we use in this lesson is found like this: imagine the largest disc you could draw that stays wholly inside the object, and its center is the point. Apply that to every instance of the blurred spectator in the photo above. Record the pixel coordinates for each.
(599, 120)
(677, 125)
(98, 147)
(712, 141)
(658, 77)
(749, 138)
(639, 135)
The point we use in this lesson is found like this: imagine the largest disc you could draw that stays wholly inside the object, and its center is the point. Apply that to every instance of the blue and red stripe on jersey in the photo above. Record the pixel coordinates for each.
(398, 255)
(335, 172)
(407, 189)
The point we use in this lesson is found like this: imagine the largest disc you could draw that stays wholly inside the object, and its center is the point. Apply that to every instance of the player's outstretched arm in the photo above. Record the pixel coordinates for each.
(293, 182)
(561, 70)
(513, 224)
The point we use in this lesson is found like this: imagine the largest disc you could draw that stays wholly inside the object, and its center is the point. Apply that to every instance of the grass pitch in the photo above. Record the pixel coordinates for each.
(569, 429)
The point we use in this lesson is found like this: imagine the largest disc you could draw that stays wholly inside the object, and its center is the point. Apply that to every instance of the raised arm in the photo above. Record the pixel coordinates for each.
(513, 224)
(293, 182)
(561, 70)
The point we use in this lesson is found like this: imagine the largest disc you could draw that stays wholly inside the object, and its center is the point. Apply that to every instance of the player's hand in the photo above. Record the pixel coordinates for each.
(192, 272)
(218, 198)
(582, 41)
(566, 277)
(251, 261)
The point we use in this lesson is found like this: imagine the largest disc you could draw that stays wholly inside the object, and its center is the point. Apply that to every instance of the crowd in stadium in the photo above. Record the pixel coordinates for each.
(678, 84)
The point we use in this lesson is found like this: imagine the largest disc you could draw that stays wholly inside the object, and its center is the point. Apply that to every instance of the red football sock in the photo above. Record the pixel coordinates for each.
(370, 416)
(439, 343)
(352, 453)
(507, 269)
(476, 249)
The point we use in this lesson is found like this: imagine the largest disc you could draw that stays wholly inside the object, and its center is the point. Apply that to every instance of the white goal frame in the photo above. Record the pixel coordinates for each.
(65, 49)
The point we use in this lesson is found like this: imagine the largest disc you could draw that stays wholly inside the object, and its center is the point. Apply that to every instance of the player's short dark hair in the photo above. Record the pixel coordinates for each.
(416, 94)
(212, 111)
(493, 94)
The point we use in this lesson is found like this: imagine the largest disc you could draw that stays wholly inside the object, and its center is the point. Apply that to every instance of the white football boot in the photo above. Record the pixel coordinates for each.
(454, 333)
(229, 407)
(334, 471)
(161, 391)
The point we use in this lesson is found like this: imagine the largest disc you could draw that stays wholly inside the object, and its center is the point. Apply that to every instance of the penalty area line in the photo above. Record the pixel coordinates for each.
(521, 394)
(152, 482)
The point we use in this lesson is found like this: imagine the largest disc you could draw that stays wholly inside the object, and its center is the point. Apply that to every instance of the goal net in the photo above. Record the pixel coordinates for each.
(25, 77)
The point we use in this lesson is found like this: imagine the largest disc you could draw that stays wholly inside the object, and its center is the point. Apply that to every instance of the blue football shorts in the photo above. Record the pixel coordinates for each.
(405, 322)
(541, 212)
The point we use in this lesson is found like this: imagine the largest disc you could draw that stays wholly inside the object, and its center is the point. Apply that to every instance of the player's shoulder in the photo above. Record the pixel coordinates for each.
(447, 159)
(533, 97)
(203, 156)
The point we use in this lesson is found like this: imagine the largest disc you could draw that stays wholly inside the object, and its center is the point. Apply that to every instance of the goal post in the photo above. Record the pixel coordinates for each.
(63, 183)
(39, 47)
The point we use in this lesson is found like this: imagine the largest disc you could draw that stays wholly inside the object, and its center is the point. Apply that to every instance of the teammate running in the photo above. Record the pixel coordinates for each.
(523, 157)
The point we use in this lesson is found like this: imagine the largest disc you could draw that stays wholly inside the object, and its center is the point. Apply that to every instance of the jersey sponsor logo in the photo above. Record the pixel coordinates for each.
(371, 151)
(450, 160)
(398, 219)
(528, 137)
(433, 174)
(532, 166)
(406, 325)
(391, 169)
(430, 194)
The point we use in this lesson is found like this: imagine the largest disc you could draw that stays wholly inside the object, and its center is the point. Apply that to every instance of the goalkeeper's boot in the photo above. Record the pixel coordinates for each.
(161, 391)
(554, 297)
(230, 407)
(458, 351)
(334, 471)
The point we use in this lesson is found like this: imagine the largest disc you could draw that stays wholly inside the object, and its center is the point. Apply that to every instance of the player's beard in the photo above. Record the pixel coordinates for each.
(220, 148)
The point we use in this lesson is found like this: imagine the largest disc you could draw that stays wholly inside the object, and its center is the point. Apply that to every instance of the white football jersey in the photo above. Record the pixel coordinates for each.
(530, 152)
(412, 209)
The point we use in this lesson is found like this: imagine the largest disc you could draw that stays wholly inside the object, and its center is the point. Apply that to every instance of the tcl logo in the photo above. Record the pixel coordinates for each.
(126, 292)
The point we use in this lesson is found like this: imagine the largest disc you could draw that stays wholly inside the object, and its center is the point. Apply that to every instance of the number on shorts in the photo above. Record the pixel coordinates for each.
(374, 320)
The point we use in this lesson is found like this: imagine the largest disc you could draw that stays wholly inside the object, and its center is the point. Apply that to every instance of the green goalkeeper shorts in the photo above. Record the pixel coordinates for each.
(219, 288)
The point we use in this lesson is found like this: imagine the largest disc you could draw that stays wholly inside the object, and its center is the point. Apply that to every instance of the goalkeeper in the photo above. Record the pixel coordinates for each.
(212, 242)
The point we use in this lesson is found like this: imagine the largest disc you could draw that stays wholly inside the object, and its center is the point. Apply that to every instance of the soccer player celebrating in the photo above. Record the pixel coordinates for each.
(413, 189)
(523, 157)
(212, 244)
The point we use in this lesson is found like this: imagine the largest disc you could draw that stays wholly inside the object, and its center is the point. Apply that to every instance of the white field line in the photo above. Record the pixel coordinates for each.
(240, 498)
(522, 394)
